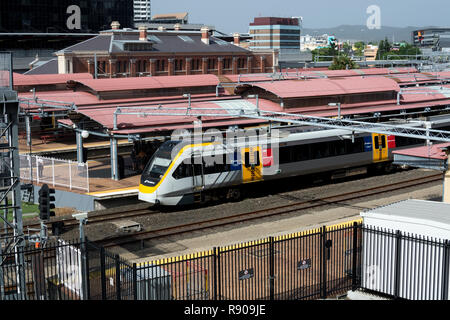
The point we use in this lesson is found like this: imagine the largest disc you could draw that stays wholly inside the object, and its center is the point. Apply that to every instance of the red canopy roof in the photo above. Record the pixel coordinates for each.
(328, 87)
(43, 79)
(143, 83)
(432, 152)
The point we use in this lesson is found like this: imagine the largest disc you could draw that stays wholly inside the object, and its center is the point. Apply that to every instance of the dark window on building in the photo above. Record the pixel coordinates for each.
(211, 64)
(178, 65)
(161, 65)
(195, 64)
(227, 63)
(241, 63)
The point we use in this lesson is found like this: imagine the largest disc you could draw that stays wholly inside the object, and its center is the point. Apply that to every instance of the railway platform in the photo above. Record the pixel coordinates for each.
(89, 189)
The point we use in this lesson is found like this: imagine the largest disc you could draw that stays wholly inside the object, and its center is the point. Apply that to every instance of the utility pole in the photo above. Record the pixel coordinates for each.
(9, 147)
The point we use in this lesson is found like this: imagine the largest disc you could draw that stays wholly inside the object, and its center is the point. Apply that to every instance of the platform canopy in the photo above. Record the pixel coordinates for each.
(433, 157)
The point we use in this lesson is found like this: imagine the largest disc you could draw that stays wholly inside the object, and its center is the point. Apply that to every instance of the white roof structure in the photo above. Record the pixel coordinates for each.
(418, 217)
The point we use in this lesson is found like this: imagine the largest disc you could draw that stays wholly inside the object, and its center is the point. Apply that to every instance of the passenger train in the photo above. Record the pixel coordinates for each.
(181, 173)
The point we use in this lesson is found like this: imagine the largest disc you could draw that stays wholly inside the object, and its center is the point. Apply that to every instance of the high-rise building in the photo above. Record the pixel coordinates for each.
(63, 16)
(275, 33)
(142, 10)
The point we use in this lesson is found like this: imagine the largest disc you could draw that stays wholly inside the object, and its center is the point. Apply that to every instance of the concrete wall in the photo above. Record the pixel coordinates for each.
(66, 199)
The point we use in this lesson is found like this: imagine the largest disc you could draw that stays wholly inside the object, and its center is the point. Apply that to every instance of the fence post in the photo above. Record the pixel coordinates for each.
(86, 269)
(103, 272)
(355, 257)
(87, 176)
(272, 269)
(215, 273)
(446, 270)
(135, 293)
(398, 252)
(219, 285)
(37, 171)
(323, 265)
(118, 293)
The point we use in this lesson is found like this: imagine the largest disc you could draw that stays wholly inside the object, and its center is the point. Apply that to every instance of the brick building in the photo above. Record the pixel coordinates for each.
(132, 53)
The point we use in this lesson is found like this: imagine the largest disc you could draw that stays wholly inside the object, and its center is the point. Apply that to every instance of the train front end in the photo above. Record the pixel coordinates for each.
(155, 185)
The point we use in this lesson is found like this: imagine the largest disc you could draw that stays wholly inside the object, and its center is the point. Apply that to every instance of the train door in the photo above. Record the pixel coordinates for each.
(252, 164)
(380, 147)
(198, 177)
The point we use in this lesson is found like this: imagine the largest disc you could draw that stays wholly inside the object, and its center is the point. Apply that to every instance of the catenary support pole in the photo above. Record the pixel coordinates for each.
(114, 159)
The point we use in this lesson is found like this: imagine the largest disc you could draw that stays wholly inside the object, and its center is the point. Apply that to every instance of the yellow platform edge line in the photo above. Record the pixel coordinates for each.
(110, 191)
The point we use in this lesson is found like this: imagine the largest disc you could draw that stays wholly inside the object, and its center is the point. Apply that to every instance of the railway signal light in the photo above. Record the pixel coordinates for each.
(46, 202)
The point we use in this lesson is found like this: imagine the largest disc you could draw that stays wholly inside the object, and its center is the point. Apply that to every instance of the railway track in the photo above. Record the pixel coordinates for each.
(263, 213)
(93, 219)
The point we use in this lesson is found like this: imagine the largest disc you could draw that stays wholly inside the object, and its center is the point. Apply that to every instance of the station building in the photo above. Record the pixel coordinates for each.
(131, 53)
(94, 104)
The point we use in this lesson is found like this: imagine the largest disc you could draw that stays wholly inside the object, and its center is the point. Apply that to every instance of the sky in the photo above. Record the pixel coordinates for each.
(235, 15)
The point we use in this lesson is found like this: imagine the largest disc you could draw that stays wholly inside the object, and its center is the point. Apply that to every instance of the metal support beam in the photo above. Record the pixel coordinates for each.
(114, 159)
(28, 129)
(79, 147)
(446, 186)
(299, 119)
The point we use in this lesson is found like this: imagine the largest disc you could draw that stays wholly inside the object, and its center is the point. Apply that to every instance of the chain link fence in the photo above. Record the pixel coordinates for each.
(55, 172)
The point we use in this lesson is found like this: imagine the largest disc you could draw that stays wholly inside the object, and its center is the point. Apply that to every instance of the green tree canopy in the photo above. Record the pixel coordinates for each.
(343, 62)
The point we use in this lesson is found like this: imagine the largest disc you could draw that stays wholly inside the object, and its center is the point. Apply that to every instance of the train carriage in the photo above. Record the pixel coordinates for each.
(182, 173)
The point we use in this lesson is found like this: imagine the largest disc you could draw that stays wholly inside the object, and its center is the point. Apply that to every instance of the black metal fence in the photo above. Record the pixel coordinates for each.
(314, 264)
(52, 272)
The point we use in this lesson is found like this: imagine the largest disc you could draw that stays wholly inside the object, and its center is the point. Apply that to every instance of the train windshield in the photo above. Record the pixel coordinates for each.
(158, 167)
(158, 164)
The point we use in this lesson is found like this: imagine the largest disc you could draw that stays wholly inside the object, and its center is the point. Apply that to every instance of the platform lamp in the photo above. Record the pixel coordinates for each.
(188, 95)
(338, 104)
(255, 96)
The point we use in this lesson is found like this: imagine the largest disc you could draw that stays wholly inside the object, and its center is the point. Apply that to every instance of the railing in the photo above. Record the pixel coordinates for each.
(55, 172)
(50, 273)
(314, 264)
(405, 266)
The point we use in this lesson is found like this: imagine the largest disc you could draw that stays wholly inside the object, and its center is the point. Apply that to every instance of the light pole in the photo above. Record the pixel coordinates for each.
(338, 104)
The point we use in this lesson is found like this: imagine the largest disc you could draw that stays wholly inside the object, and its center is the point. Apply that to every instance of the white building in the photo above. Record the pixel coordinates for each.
(311, 43)
(142, 10)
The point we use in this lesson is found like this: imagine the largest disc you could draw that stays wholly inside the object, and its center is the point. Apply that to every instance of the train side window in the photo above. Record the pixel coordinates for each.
(285, 155)
(247, 159)
(340, 148)
(183, 171)
(377, 143)
(383, 141)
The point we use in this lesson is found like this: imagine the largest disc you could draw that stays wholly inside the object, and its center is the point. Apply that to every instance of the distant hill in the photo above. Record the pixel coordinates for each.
(362, 33)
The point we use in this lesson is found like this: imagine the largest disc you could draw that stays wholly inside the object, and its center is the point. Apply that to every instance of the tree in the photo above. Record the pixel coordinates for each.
(384, 49)
(326, 51)
(346, 48)
(360, 46)
(343, 62)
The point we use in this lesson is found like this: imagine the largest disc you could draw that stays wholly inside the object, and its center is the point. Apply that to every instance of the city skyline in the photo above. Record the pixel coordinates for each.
(324, 14)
